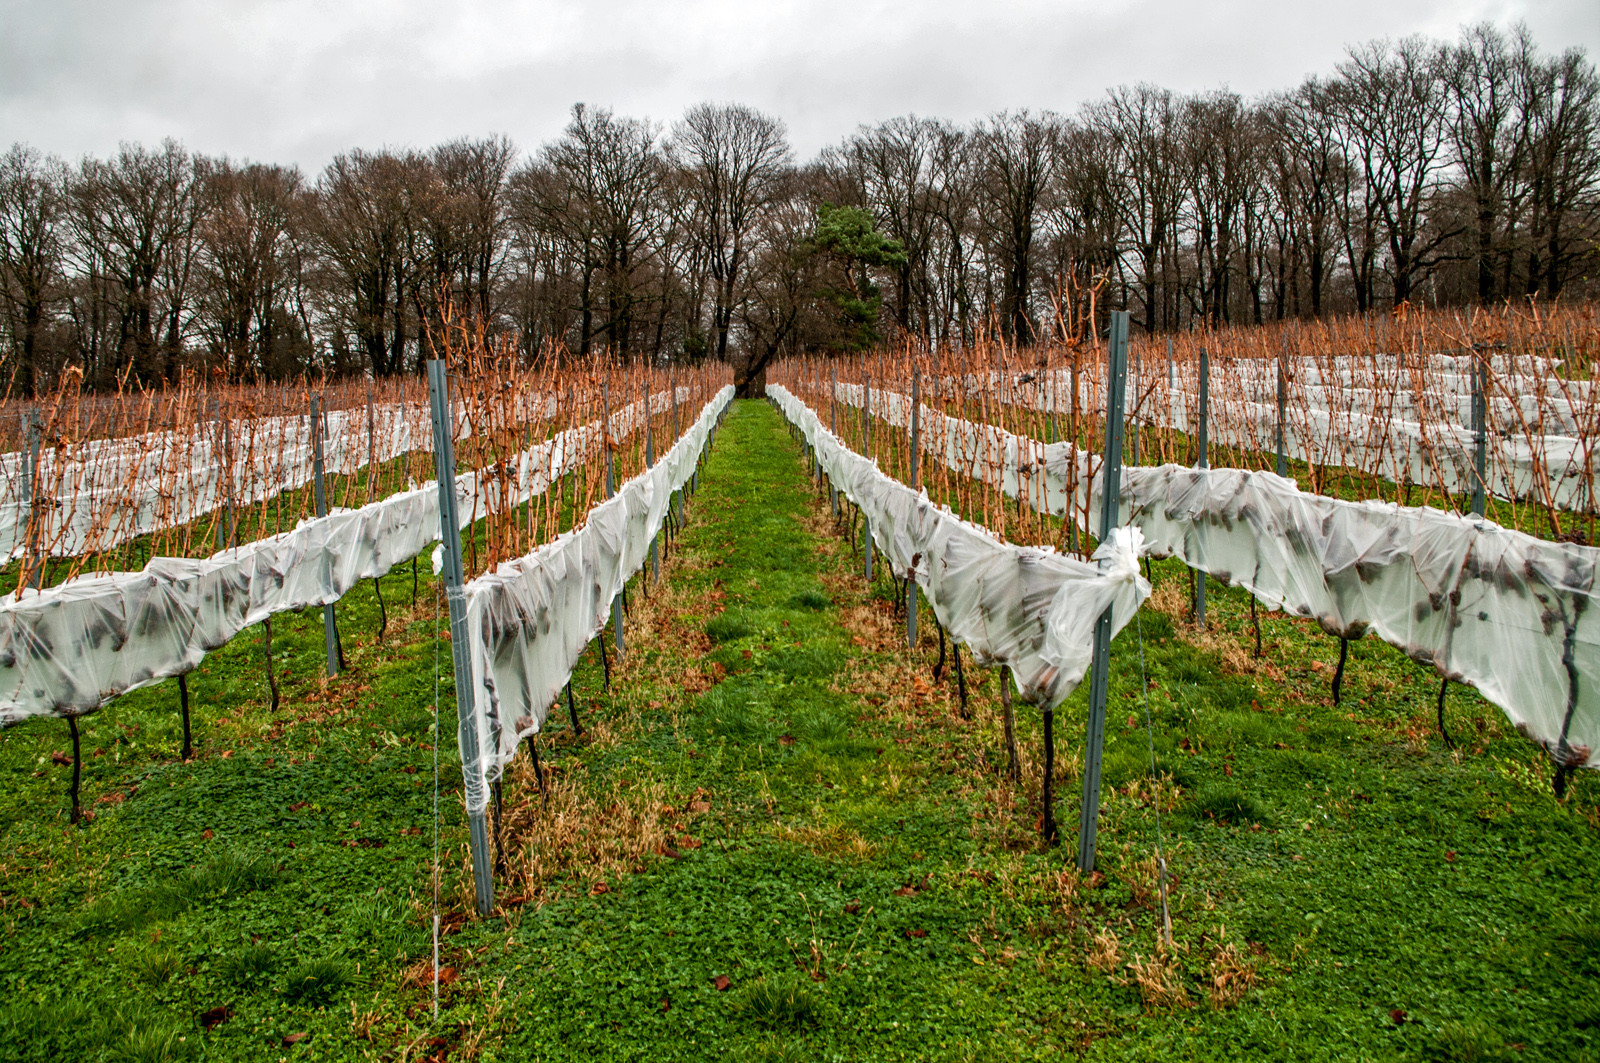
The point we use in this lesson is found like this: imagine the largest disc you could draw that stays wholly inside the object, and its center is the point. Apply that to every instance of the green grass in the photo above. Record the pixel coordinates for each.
(842, 870)
(779, 1004)
(251, 965)
(317, 983)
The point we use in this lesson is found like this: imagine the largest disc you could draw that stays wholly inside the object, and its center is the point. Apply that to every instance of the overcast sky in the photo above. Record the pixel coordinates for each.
(296, 81)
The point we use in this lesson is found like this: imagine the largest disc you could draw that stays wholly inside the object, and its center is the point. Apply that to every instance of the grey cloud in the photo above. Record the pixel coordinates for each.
(300, 80)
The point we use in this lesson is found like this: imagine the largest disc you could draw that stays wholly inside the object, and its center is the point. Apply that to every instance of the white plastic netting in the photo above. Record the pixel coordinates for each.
(1539, 440)
(101, 493)
(97, 494)
(1509, 614)
(68, 649)
(1027, 607)
(529, 620)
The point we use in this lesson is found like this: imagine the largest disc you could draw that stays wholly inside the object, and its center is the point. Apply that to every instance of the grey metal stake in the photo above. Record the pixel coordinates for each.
(1172, 381)
(227, 481)
(1134, 416)
(649, 462)
(866, 429)
(1202, 463)
(1283, 401)
(916, 443)
(916, 423)
(611, 489)
(372, 443)
(30, 490)
(450, 536)
(224, 469)
(1480, 430)
(1100, 670)
(833, 426)
(330, 632)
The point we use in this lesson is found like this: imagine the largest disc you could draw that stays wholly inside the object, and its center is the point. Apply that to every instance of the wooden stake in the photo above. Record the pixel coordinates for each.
(1009, 718)
(1050, 833)
(272, 678)
(183, 706)
(572, 708)
(77, 767)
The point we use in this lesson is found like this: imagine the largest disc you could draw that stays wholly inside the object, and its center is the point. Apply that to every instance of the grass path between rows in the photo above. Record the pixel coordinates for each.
(778, 838)
(870, 885)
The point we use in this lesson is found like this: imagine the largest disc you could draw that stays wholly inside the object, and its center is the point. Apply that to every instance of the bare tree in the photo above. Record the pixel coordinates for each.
(134, 217)
(249, 261)
(1564, 156)
(1395, 106)
(1308, 164)
(1143, 124)
(31, 206)
(1015, 153)
(1221, 177)
(1484, 75)
(1086, 229)
(597, 192)
(367, 220)
(736, 159)
(474, 175)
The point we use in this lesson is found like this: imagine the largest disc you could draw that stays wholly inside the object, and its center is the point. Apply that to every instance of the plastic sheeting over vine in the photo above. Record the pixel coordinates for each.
(1027, 607)
(105, 492)
(1387, 434)
(529, 620)
(1510, 614)
(66, 650)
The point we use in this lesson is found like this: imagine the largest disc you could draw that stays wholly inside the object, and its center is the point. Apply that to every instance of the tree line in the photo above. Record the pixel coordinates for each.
(1447, 173)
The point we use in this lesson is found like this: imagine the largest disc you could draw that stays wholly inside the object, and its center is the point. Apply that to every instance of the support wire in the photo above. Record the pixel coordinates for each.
(438, 584)
(1155, 784)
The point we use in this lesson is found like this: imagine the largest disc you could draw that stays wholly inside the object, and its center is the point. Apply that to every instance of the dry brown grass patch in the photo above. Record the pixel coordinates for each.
(1231, 977)
(1144, 878)
(1164, 792)
(818, 520)
(871, 625)
(836, 841)
(1160, 981)
(1105, 955)
(1171, 597)
(1063, 887)
(583, 839)
(661, 619)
